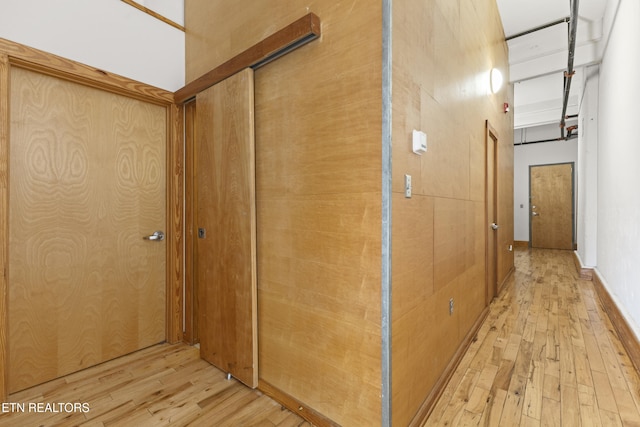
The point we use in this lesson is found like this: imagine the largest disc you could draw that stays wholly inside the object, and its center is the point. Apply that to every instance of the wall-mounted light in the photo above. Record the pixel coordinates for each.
(496, 80)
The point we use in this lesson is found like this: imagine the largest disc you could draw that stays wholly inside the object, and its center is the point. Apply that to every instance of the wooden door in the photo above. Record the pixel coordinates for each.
(226, 227)
(492, 213)
(87, 182)
(551, 204)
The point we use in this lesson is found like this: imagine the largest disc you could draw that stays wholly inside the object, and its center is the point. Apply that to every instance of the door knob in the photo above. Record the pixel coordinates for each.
(158, 235)
(535, 213)
(494, 226)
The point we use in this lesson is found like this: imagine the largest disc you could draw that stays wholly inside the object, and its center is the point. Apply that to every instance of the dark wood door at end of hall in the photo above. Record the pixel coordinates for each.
(551, 206)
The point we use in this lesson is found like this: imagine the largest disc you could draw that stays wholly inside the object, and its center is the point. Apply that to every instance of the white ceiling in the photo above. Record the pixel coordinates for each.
(537, 61)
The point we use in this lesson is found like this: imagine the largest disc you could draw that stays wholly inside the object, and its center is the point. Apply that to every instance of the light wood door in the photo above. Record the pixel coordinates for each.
(492, 214)
(551, 206)
(87, 182)
(226, 227)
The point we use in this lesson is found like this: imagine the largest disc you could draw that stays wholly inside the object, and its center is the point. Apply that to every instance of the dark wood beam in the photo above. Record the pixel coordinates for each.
(279, 43)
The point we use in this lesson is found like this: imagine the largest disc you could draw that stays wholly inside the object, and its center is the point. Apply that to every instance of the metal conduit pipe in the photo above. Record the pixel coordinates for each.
(538, 141)
(573, 27)
(569, 137)
(541, 27)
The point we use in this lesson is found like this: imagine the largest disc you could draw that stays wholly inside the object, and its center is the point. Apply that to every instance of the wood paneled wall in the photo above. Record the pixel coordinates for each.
(318, 151)
(442, 53)
(318, 175)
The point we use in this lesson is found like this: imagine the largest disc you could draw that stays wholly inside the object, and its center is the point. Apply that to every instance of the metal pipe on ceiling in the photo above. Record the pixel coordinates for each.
(570, 135)
(568, 74)
(538, 141)
(541, 27)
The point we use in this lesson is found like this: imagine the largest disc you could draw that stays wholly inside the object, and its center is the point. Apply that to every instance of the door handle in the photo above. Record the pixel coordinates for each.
(494, 226)
(158, 235)
(534, 214)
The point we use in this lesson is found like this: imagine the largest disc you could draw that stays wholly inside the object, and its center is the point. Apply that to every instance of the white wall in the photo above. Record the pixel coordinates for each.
(106, 34)
(587, 187)
(618, 223)
(535, 154)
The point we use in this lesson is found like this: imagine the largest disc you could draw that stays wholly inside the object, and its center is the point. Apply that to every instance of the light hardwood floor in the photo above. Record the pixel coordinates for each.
(164, 385)
(546, 356)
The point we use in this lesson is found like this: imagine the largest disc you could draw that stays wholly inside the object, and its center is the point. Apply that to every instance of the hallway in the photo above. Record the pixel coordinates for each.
(545, 356)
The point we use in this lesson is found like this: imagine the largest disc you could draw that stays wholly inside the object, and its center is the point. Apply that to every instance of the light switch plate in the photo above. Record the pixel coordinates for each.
(407, 186)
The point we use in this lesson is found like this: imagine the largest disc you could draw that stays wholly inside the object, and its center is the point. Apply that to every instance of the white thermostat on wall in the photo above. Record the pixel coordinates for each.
(419, 142)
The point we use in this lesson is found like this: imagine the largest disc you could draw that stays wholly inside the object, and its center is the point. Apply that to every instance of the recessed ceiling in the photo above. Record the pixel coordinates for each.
(538, 60)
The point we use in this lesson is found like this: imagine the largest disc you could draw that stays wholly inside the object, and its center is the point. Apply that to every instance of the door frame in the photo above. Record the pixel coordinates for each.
(491, 137)
(573, 201)
(16, 55)
(190, 336)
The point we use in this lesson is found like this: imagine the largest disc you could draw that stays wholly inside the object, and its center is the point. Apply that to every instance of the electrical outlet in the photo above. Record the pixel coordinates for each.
(451, 307)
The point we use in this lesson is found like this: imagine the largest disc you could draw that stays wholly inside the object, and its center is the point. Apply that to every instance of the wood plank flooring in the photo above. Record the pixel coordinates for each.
(546, 356)
(164, 385)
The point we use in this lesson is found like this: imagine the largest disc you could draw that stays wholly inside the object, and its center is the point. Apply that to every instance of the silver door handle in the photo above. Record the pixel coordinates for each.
(534, 214)
(494, 226)
(158, 235)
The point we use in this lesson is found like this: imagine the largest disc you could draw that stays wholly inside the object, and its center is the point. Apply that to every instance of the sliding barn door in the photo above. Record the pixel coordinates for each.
(226, 227)
(87, 182)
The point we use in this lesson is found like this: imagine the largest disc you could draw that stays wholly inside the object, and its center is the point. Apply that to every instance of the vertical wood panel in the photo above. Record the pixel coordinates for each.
(225, 208)
(4, 221)
(88, 181)
(175, 223)
(319, 208)
(191, 290)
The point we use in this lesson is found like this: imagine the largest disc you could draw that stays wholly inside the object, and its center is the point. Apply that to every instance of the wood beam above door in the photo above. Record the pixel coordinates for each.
(279, 43)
